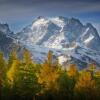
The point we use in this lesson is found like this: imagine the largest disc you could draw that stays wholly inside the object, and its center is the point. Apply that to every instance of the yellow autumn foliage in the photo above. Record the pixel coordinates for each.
(85, 82)
(11, 74)
(48, 76)
(72, 70)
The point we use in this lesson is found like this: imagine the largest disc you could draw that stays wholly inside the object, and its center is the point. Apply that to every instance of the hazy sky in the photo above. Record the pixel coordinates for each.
(19, 13)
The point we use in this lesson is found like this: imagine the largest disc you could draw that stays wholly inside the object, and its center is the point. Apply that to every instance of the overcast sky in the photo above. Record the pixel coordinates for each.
(19, 13)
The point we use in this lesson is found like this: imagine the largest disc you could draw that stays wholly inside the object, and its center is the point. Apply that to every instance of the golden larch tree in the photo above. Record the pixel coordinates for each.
(48, 74)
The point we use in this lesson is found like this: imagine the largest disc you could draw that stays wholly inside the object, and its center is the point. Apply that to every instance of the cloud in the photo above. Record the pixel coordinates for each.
(74, 6)
(17, 11)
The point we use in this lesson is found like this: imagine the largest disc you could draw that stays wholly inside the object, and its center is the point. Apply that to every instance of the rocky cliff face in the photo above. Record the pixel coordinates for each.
(68, 38)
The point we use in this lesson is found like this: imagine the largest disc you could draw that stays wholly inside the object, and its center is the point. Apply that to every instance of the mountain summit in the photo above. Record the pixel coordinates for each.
(59, 33)
(68, 38)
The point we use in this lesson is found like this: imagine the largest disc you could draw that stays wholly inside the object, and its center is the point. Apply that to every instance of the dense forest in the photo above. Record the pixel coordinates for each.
(24, 79)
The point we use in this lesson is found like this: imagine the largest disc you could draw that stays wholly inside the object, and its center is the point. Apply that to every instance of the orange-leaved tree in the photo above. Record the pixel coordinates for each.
(48, 74)
(85, 86)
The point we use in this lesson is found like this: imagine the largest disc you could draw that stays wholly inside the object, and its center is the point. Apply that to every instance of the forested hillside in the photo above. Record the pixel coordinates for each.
(24, 79)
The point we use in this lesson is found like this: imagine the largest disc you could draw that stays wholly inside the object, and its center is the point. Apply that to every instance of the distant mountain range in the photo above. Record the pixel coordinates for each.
(8, 41)
(68, 38)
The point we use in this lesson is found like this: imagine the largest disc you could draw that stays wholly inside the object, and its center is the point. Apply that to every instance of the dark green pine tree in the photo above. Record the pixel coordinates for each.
(26, 80)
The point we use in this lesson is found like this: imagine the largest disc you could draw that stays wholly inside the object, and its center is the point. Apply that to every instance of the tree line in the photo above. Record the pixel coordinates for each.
(24, 79)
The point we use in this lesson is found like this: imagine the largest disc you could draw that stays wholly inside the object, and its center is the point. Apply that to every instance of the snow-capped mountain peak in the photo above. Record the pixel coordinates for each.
(39, 22)
(68, 38)
(59, 21)
(5, 28)
(61, 35)
(60, 32)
